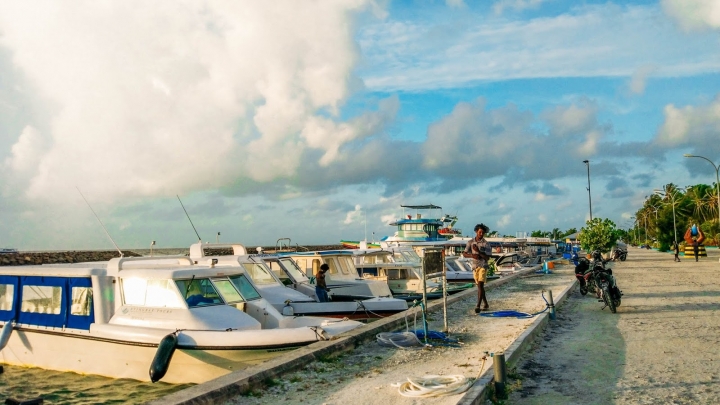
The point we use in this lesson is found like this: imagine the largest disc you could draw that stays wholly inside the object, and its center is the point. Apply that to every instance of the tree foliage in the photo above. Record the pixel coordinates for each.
(598, 234)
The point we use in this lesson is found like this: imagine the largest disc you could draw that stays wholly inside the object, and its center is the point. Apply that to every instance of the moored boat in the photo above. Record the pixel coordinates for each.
(145, 319)
(286, 287)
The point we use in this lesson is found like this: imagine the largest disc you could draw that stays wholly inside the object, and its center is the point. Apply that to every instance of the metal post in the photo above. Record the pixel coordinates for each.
(587, 163)
(500, 375)
(424, 294)
(444, 279)
(551, 305)
(151, 247)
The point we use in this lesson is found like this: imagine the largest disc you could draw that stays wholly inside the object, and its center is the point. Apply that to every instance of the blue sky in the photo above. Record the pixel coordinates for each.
(317, 120)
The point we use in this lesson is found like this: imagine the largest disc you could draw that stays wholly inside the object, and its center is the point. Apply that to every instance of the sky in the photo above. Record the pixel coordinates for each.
(317, 120)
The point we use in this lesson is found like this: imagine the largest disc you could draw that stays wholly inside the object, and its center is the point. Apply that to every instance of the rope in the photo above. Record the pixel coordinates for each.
(433, 386)
(515, 314)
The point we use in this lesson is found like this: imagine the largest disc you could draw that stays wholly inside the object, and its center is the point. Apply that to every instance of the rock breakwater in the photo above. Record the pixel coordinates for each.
(80, 256)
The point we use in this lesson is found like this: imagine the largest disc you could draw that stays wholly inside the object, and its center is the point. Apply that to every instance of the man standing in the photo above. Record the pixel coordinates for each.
(478, 250)
(321, 286)
(696, 248)
(676, 249)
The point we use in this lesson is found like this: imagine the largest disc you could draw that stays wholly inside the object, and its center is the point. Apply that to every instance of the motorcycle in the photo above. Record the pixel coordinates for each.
(584, 276)
(619, 254)
(605, 284)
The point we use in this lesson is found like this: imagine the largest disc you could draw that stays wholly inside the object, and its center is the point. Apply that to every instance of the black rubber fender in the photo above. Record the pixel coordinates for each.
(161, 361)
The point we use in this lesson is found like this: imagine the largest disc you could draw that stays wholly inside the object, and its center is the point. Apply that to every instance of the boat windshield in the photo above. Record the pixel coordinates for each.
(374, 258)
(346, 265)
(150, 293)
(247, 290)
(453, 265)
(292, 268)
(228, 291)
(406, 256)
(199, 292)
(260, 274)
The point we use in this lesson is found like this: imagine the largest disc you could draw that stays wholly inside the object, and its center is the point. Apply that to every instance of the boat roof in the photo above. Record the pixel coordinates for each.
(422, 207)
(318, 253)
(416, 221)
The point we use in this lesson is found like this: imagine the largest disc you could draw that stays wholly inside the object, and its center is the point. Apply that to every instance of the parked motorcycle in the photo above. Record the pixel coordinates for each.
(584, 276)
(619, 254)
(605, 284)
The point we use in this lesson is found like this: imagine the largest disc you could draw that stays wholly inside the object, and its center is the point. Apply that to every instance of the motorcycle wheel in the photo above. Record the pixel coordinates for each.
(583, 286)
(608, 299)
(623, 258)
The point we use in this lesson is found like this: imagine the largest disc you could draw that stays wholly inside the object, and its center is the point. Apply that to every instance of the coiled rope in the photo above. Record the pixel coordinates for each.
(433, 386)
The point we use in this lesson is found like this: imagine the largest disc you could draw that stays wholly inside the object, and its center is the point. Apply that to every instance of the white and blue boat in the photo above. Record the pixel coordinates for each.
(147, 319)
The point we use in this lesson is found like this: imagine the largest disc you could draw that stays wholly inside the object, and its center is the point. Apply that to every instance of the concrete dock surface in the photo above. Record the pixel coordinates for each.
(662, 346)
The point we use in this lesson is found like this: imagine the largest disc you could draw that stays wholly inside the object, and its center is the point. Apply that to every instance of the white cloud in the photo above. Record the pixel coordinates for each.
(639, 79)
(693, 126)
(603, 40)
(357, 215)
(156, 98)
(694, 14)
(515, 5)
(504, 221)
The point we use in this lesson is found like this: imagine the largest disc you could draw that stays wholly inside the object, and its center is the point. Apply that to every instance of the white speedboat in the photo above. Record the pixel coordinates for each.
(145, 319)
(403, 277)
(291, 276)
(342, 278)
(272, 275)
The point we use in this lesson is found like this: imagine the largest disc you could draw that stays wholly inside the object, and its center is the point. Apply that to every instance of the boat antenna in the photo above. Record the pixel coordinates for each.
(101, 224)
(188, 217)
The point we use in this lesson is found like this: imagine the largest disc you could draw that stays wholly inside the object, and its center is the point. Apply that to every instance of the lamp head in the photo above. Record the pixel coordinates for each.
(687, 155)
(586, 161)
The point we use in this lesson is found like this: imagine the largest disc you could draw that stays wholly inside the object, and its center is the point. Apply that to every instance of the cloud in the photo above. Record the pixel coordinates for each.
(515, 5)
(504, 221)
(148, 99)
(354, 216)
(603, 40)
(474, 142)
(695, 127)
(694, 14)
(639, 79)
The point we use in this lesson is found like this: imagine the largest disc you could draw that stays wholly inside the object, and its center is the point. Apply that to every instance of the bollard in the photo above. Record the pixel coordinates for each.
(500, 375)
(551, 305)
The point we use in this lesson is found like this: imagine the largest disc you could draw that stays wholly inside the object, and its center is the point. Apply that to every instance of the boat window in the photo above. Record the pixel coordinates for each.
(150, 293)
(453, 266)
(81, 301)
(228, 291)
(199, 292)
(276, 268)
(410, 275)
(247, 290)
(346, 265)
(7, 292)
(367, 259)
(393, 274)
(332, 264)
(41, 299)
(293, 268)
(259, 274)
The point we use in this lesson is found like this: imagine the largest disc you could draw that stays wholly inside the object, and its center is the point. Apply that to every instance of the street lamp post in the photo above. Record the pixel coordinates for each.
(587, 163)
(672, 198)
(717, 179)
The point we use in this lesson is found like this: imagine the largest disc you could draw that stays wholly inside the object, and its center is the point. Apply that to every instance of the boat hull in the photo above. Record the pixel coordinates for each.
(197, 359)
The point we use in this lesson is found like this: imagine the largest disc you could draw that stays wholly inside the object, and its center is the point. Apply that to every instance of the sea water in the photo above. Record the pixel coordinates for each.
(54, 387)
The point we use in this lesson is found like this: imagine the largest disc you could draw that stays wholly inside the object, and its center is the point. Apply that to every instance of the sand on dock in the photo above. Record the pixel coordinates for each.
(367, 374)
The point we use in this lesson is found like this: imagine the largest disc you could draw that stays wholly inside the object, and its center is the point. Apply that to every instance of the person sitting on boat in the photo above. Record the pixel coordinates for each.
(479, 250)
(321, 286)
(195, 297)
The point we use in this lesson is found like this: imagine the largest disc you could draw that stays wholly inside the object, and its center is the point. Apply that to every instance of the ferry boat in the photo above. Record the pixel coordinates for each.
(419, 229)
(175, 319)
